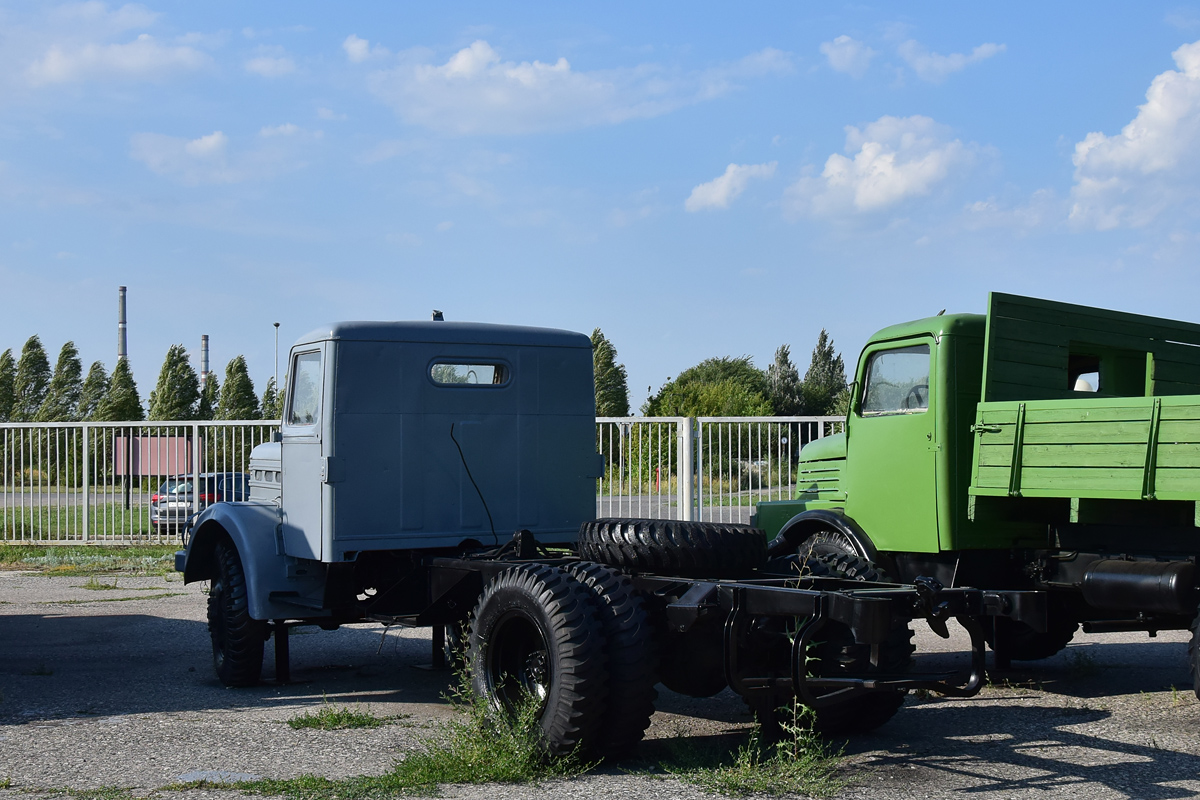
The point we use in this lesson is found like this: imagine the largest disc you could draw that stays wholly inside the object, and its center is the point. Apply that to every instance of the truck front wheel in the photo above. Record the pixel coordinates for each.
(1194, 656)
(535, 637)
(237, 639)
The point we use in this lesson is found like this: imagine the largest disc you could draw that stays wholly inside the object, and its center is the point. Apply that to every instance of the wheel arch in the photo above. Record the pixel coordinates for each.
(806, 523)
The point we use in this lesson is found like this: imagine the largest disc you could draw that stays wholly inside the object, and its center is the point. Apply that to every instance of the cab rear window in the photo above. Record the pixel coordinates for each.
(446, 373)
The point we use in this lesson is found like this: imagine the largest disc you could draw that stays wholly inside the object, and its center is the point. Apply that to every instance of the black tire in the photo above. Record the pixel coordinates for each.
(1026, 644)
(838, 654)
(237, 639)
(632, 658)
(674, 547)
(536, 632)
(1194, 656)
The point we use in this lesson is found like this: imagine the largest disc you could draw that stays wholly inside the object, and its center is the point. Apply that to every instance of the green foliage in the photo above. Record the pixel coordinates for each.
(715, 387)
(175, 396)
(31, 382)
(210, 396)
(95, 388)
(122, 403)
(272, 404)
(331, 718)
(800, 763)
(88, 560)
(784, 387)
(825, 382)
(478, 746)
(725, 398)
(612, 390)
(8, 377)
(238, 400)
(66, 385)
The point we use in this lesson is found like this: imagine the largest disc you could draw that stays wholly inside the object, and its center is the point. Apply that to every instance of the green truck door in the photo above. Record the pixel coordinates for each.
(891, 448)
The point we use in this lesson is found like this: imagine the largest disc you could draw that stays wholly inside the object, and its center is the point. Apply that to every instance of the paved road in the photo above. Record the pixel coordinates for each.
(104, 688)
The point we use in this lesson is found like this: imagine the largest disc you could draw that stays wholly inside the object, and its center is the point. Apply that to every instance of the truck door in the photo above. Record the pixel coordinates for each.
(891, 448)
(303, 437)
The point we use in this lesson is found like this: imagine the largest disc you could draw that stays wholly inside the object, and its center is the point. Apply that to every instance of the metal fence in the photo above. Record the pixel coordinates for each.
(727, 464)
(99, 482)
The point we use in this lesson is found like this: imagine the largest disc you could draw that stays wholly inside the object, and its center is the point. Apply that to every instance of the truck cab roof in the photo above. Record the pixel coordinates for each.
(445, 333)
(952, 324)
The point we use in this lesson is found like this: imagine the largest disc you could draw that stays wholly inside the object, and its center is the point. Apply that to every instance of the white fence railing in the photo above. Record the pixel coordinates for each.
(71, 482)
(100, 481)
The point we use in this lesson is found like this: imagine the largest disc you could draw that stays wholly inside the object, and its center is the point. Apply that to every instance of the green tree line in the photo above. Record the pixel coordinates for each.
(30, 391)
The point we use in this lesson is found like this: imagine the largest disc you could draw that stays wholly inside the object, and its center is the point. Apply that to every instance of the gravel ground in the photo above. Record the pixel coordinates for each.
(115, 688)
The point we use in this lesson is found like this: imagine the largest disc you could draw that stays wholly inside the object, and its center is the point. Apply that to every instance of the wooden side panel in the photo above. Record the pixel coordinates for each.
(1030, 343)
(1128, 449)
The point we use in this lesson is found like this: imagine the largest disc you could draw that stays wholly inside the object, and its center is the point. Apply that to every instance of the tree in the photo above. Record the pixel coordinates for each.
(824, 387)
(238, 400)
(612, 390)
(686, 392)
(121, 403)
(31, 382)
(271, 401)
(8, 377)
(177, 392)
(95, 387)
(210, 396)
(62, 396)
(784, 388)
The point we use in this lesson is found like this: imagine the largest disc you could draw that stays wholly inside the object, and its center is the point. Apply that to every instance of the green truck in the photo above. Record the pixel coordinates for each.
(1043, 446)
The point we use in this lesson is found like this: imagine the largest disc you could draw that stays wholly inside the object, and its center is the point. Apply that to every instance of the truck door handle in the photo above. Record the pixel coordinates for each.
(981, 429)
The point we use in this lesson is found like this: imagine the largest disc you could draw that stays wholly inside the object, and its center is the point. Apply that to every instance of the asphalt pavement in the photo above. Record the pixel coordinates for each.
(114, 687)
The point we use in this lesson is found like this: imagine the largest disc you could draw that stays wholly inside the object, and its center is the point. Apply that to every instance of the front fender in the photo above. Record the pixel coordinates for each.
(805, 524)
(251, 528)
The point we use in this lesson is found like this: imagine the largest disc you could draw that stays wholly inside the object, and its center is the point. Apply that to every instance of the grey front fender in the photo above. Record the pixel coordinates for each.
(251, 527)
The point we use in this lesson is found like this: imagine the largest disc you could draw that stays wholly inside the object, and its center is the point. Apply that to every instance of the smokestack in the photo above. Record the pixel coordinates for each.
(122, 344)
(203, 359)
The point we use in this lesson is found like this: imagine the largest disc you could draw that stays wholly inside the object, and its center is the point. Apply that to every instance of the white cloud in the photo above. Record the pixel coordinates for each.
(935, 68)
(211, 159)
(890, 160)
(1153, 164)
(329, 114)
(286, 129)
(442, 227)
(848, 55)
(100, 21)
(359, 50)
(724, 189)
(475, 91)
(143, 58)
(269, 67)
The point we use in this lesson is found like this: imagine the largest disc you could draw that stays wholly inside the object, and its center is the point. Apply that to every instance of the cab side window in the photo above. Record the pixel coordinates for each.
(897, 382)
(304, 395)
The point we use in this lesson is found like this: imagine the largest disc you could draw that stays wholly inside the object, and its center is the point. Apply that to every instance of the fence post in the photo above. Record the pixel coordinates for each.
(687, 443)
(87, 477)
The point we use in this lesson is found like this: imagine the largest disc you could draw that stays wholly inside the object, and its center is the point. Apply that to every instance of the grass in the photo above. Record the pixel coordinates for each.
(331, 718)
(90, 560)
(66, 521)
(801, 762)
(111, 599)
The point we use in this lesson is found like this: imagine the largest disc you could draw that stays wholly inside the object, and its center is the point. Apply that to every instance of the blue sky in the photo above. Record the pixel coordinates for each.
(696, 179)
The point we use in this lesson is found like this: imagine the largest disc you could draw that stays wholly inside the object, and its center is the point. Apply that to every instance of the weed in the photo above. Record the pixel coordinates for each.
(6, 783)
(478, 746)
(100, 793)
(801, 762)
(158, 596)
(330, 718)
(89, 560)
(41, 669)
(1081, 663)
(96, 585)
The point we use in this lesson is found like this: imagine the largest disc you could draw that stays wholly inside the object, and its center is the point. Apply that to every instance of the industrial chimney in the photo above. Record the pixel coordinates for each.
(203, 359)
(122, 344)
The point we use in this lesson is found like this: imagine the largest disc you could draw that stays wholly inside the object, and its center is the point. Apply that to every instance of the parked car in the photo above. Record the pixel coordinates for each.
(176, 499)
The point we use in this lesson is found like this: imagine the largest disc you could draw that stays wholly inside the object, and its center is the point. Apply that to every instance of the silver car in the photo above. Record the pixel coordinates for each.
(177, 499)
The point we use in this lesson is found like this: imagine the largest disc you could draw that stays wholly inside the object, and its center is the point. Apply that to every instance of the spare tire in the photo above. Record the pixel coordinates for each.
(674, 547)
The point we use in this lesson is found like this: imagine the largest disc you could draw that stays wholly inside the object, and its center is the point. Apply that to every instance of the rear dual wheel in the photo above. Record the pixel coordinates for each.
(576, 643)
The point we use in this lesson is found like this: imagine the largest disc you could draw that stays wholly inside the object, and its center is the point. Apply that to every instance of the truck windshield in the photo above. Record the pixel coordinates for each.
(897, 381)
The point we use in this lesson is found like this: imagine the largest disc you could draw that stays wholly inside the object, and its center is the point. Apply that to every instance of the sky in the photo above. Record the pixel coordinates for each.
(695, 179)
